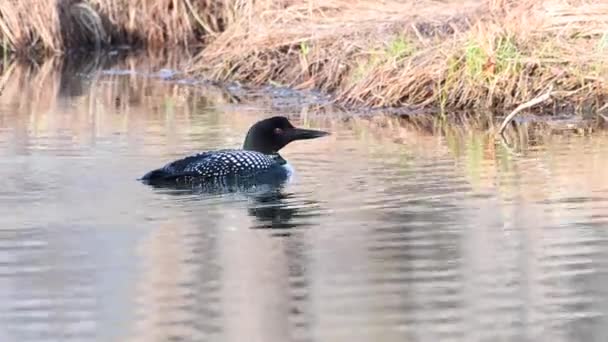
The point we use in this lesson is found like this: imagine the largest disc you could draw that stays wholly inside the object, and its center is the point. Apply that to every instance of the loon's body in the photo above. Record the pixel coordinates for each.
(258, 161)
(222, 166)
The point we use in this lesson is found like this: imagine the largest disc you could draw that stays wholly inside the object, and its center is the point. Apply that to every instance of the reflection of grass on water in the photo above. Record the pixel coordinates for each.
(38, 93)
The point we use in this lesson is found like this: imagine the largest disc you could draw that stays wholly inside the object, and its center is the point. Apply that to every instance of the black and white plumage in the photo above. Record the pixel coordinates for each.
(258, 161)
(227, 162)
(220, 165)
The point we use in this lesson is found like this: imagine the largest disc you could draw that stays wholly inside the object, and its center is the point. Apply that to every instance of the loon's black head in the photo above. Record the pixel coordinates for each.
(270, 135)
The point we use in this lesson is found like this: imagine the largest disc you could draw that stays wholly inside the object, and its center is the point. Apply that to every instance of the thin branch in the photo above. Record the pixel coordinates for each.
(535, 101)
(602, 108)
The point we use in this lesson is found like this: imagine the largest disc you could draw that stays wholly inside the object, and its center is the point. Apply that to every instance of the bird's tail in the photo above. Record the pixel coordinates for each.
(154, 176)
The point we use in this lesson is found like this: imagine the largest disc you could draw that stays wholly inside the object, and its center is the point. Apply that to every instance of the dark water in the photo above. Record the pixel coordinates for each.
(428, 239)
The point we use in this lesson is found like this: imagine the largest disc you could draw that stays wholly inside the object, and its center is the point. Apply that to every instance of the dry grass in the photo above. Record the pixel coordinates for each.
(54, 26)
(449, 55)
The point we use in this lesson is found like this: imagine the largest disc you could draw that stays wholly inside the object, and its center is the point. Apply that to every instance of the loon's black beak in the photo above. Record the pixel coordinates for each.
(302, 134)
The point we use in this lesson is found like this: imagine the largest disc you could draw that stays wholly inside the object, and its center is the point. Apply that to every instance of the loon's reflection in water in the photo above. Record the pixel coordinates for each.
(272, 205)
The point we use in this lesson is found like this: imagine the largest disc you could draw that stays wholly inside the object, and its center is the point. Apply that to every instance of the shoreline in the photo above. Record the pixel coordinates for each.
(439, 57)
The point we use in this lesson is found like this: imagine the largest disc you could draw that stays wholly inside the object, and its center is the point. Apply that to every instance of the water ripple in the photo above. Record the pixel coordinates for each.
(431, 240)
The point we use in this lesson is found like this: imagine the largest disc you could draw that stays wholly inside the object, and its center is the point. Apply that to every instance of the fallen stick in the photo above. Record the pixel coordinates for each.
(526, 105)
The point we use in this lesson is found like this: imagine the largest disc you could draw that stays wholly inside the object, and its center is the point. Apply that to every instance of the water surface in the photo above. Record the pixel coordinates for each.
(384, 234)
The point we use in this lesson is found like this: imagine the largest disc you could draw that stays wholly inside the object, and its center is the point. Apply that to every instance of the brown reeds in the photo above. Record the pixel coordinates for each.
(55, 26)
(454, 55)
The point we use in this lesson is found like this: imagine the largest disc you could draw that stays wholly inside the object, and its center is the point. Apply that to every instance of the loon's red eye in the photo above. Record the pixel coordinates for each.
(278, 131)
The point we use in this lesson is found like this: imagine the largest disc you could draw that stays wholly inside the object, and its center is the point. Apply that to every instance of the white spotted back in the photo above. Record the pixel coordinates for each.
(229, 162)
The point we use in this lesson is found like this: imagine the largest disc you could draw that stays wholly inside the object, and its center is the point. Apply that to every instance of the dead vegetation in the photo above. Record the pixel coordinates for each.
(56, 26)
(450, 55)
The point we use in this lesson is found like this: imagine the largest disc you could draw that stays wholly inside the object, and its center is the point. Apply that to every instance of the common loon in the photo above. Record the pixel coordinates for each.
(258, 161)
